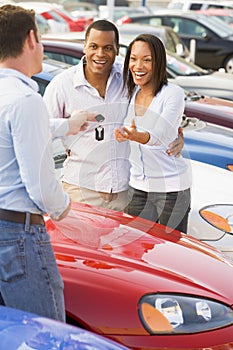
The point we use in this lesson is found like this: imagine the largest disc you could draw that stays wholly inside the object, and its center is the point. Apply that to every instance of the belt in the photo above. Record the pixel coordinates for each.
(20, 217)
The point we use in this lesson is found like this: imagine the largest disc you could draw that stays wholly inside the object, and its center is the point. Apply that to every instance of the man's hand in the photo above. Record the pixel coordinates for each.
(175, 148)
(64, 214)
(78, 121)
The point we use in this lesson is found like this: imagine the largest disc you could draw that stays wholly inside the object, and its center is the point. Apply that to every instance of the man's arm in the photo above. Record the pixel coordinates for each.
(78, 121)
(175, 148)
(33, 150)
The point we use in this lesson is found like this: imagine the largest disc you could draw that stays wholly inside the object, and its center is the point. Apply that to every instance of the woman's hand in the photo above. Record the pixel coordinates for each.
(131, 134)
(125, 134)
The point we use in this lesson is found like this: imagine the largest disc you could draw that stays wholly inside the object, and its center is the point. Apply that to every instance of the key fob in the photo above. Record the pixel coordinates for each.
(99, 133)
(99, 118)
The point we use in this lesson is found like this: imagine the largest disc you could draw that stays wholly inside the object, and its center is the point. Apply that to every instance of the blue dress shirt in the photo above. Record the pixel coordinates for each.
(27, 174)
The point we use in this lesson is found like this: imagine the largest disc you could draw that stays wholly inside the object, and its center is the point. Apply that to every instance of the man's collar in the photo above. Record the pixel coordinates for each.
(80, 79)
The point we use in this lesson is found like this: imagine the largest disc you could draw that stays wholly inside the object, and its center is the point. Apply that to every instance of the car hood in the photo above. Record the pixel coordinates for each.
(216, 84)
(138, 252)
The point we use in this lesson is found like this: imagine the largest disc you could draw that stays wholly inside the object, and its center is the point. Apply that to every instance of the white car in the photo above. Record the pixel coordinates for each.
(193, 78)
(211, 215)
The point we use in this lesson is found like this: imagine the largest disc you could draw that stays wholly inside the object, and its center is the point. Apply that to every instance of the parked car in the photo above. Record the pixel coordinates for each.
(179, 71)
(225, 15)
(171, 40)
(128, 280)
(80, 9)
(24, 330)
(210, 218)
(75, 24)
(193, 78)
(120, 11)
(213, 37)
(186, 5)
(210, 109)
(208, 143)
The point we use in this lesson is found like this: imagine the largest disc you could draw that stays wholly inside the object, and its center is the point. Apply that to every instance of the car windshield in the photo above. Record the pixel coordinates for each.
(217, 25)
(180, 66)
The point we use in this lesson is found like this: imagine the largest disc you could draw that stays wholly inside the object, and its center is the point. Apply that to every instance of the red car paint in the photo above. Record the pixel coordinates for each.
(109, 260)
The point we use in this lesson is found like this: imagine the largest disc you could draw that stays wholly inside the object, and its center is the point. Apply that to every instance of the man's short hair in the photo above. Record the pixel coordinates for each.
(103, 26)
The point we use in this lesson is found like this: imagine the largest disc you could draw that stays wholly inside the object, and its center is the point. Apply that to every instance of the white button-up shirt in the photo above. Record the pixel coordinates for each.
(152, 170)
(97, 165)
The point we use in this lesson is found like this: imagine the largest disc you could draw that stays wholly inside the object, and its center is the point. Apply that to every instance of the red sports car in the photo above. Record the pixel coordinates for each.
(128, 279)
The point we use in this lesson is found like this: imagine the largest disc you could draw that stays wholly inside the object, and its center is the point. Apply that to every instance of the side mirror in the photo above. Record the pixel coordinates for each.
(206, 36)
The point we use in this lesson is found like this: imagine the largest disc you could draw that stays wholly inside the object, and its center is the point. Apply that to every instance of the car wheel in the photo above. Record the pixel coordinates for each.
(229, 64)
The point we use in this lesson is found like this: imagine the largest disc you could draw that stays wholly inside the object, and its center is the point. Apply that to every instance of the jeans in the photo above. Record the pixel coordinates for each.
(170, 209)
(29, 276)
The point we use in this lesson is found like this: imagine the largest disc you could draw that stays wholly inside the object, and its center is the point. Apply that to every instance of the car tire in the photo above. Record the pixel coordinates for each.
(228, 65)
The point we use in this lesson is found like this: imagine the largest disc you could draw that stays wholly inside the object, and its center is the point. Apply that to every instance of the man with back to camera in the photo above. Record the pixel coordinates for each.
(29, 277)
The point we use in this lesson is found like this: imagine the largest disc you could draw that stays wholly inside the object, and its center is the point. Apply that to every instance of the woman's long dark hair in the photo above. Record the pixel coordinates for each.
(159, 63)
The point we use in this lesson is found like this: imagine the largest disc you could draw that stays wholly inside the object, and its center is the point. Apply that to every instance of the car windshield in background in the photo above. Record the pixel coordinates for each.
(217, 25)
(182, 67)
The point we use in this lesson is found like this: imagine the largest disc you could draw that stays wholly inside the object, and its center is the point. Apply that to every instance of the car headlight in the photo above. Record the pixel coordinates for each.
(220, 216)
(180, 314)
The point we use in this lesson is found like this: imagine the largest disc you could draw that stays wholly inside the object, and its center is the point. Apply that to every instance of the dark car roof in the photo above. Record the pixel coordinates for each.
(213, 23)
(213, 45)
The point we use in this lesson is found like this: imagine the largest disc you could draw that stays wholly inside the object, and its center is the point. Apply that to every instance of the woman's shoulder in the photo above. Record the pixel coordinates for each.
(172, 89)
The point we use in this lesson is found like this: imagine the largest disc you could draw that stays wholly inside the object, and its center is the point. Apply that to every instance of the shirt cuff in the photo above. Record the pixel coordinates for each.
(56, 214)
(59, 127)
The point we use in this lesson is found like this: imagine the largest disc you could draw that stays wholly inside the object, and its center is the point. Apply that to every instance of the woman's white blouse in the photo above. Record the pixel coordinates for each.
(152, 169)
